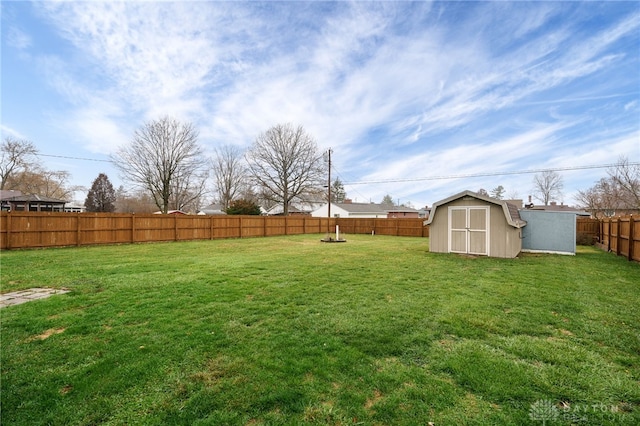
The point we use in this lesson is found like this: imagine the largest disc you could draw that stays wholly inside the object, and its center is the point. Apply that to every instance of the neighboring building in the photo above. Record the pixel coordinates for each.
(16, 201)
(599, 213)
(351, 209)
(470, 223)
(296, 208)
(614, 212)
(74, 208)
(278, 210)
(424, 212)
(178, 212)
(365, 210)
(212, 210)
(402, 212)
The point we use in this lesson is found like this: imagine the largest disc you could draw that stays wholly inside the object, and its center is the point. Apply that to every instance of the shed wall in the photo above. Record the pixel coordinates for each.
(504, 240)
(549, 231)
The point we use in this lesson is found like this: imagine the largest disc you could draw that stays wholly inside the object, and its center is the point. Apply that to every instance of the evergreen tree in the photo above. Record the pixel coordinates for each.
(101, 196)
(243, 207)
(498, 192)
(387, 200)
(338, 194)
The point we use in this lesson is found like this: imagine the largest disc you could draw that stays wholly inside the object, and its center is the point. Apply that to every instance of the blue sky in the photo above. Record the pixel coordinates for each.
(411, 96)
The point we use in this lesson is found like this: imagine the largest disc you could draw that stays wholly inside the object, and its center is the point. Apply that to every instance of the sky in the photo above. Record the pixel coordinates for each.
(417, 100)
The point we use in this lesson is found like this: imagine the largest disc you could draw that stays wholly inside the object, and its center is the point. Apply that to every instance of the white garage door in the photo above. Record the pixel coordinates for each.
(468, 230)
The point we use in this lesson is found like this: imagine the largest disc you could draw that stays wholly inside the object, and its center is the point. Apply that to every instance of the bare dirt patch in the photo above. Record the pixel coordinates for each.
(377, 396)
(50, 332)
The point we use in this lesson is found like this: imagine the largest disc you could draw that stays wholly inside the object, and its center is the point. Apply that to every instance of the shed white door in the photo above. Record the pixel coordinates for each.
(468, 230)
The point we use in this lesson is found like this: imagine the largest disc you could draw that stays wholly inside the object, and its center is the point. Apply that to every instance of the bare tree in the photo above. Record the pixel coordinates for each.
(230, 174)
(601, 199)
(620, 191)
(137, 202)
(188, 189)
(40, 181)
(626, 177)
(285, 164)
(547, 186)
(163, 158)
(15, 156)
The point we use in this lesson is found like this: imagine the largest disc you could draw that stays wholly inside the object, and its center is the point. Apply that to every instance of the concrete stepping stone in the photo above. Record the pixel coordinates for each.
(23, 296)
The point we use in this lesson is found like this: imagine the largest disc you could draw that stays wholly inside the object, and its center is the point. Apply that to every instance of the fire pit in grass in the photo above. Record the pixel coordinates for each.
(337, 239)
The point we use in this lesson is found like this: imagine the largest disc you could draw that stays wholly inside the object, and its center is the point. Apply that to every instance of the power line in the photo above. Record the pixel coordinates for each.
(73, 158)
(419, 179)
(472, 175)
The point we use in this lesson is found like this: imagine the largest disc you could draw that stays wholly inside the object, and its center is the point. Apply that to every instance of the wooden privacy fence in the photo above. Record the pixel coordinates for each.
(587, 230)
(620, 235)
(20, 230)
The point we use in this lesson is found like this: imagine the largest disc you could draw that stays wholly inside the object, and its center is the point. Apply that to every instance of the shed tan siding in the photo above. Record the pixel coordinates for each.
(504, 240)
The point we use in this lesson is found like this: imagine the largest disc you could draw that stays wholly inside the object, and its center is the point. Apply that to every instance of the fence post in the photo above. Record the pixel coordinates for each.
(618, 237)
(609, 237)
(630, 254)
(9, 230)
(133, 228)
(600, 231)
(78, 229)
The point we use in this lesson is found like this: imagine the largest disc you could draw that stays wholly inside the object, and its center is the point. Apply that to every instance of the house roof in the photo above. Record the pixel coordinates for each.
(371, 208)
(178, 212)
(9, 193)
(401, 209)
(32, 198)
(361, 207)
(510, 211)
(212, 209)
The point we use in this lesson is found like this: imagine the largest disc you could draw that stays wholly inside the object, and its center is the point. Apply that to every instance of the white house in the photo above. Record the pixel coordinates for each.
(351, 209)
(212, 210)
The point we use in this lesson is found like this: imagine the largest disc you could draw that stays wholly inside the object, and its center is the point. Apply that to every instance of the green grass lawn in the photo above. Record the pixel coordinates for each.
(289, 330)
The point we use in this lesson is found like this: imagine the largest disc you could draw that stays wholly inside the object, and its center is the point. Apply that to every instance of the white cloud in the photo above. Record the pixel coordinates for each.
(8, 131)
(18, 39)
(397, 89)
(630, 106)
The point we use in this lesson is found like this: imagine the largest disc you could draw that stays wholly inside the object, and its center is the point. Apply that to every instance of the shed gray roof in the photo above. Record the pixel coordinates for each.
(560, 208)
(510, 211)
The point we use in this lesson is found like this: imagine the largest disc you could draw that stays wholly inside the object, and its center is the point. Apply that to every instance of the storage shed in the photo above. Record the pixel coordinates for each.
(470, 223)
(550, 231)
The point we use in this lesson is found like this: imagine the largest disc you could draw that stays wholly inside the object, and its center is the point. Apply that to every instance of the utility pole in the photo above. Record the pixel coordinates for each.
(329, 192)
(328, 239)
